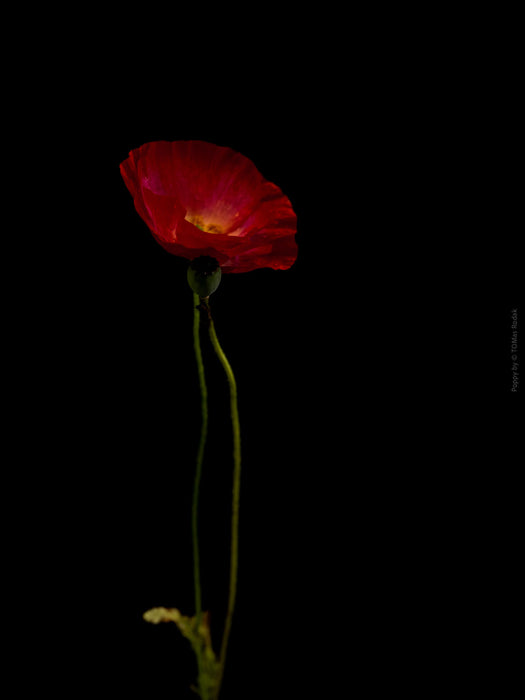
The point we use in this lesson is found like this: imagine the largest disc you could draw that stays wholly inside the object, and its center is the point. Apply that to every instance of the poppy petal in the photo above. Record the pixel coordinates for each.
(202, 199)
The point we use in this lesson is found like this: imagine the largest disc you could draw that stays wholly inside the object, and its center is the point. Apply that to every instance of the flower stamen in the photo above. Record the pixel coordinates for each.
(200, 224)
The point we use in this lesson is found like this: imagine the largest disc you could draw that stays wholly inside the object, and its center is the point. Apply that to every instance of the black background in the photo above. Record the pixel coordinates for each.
(377, 508)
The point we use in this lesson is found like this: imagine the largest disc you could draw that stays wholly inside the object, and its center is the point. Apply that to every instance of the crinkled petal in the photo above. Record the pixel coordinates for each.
(202, 199)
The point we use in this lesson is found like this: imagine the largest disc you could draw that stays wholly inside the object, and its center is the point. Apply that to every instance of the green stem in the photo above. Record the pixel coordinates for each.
(198, 473)
(234, 554)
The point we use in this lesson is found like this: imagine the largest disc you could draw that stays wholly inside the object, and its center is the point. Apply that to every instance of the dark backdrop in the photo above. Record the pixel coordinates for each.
(374, 376)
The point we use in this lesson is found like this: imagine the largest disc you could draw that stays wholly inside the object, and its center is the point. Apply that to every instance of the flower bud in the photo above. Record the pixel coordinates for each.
(204, 275)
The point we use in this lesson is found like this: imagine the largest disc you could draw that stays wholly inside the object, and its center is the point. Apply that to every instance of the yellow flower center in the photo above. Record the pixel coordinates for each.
(200, 224)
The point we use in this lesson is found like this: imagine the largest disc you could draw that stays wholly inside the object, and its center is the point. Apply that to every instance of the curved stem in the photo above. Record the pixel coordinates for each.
(200, 455)
(198, 473)
(234, 554)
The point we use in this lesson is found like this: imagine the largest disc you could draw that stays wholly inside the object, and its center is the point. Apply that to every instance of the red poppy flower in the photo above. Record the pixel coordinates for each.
(201, 199)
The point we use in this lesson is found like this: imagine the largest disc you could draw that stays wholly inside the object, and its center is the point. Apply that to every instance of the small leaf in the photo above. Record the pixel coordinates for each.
(200, 640)
(156, 615)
